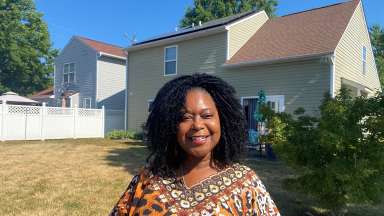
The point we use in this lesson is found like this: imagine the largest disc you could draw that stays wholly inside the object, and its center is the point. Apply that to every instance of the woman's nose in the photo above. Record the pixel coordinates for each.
(197, 123)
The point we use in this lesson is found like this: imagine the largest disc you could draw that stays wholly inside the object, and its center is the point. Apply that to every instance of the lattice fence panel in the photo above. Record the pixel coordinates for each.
(59, 111)
(23, 110)
(89, 112)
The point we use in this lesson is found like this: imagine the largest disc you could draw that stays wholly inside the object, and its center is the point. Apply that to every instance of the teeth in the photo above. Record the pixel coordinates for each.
(199, 138)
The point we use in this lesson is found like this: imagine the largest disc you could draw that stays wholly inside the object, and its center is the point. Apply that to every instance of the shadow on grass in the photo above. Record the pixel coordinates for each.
(132, 158)
(273, 173)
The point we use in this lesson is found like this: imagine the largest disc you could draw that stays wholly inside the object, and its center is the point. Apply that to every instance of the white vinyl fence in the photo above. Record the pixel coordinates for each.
(18, 122)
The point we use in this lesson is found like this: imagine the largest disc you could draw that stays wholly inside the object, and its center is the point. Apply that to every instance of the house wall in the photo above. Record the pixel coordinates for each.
(85, 67)
(348, 61)
(146, 69)
(239, 33)
(302, 83)
(111, 83)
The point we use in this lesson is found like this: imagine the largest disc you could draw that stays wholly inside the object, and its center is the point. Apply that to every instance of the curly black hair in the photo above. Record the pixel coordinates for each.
(162, 123)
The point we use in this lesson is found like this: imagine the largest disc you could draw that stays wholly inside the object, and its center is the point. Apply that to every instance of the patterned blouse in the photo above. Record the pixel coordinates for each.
(236, 190)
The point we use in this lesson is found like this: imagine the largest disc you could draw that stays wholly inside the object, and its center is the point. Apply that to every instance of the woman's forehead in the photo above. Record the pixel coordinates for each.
(198, 100)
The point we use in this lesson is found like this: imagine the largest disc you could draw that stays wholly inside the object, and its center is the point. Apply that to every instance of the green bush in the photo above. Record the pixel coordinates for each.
(339, 155)
(122, 134)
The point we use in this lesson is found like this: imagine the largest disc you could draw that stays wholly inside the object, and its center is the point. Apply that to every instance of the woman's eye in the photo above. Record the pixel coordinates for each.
(207, 116)
(186, 117)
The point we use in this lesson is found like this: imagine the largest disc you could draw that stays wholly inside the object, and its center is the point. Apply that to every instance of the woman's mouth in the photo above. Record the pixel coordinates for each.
(199, 140)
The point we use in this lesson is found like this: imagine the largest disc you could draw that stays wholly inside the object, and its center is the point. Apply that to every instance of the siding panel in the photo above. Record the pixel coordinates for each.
(303, 84)
(240, 33)
(146, 69)
(349, 54)
(111, 83)
(85, 67)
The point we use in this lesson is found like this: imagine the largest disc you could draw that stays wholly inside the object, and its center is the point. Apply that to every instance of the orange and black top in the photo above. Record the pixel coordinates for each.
(236, 190)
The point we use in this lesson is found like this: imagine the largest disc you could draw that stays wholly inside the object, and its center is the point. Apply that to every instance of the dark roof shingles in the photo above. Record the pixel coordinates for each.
(307, 33)
(204, 26)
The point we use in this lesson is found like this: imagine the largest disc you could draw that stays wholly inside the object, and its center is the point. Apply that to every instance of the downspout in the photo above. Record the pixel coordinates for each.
(332, 75)
(126, 94)
(97, 79)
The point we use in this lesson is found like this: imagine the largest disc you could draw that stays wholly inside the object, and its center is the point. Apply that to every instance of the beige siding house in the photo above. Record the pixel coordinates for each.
(295, 59)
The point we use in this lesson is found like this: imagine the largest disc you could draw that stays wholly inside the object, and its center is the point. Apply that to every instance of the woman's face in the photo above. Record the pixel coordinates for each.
(199, 130)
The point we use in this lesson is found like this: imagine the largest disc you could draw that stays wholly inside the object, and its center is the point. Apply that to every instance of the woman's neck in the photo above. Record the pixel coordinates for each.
(194, 170)
(193, 163)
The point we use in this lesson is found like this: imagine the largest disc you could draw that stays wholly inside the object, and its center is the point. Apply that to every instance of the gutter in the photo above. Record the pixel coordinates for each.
(332, 75)
(276, 60)
(126, 93)
(111, 55)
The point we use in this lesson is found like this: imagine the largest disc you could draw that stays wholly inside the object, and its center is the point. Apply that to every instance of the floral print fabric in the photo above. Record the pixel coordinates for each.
(236, 190)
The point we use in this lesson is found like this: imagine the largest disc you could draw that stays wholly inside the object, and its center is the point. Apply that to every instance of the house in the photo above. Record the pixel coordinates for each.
(90, 74)
(46, 96)
(295, 59)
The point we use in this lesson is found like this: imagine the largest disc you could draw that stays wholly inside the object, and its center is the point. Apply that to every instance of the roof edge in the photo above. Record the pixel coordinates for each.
(177, 38)
(112, 56)
(248, 14)
(277, 60)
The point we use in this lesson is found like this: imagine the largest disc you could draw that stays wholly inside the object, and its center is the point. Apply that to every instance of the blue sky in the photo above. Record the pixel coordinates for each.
(116, 21)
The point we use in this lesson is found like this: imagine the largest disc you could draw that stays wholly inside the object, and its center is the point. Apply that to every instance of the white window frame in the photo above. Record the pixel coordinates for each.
(85, 102)
(270, 98)
(149, 102)
(364, 59)
(175, 60)
(69, 72)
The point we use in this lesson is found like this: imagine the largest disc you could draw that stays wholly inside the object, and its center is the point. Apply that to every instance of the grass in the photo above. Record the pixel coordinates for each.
(86, 177)
(67, 177)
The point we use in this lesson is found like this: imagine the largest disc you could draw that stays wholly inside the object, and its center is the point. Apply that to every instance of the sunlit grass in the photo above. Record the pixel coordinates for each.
(69, 177)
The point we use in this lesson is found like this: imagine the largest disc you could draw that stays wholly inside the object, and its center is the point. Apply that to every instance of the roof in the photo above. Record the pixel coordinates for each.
(43, 94)
(204, 26)
(12, 97)
(103, 47)
(307, 33)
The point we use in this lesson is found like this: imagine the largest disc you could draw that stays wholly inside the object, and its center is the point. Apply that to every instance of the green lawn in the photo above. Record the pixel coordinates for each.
(86, 177)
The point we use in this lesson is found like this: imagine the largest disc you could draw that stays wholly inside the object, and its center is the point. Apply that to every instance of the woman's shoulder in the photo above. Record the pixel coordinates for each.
(249, 175)
(246, 170)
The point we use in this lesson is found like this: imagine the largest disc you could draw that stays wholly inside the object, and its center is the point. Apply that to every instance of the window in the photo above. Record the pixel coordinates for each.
(364, 59)
(87, 102)
(150, 103)
(273, 105)
(252, 110)
(170, 60)
(69, 73)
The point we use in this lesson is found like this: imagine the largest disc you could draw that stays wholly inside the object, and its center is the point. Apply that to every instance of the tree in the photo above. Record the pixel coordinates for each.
(377, 39)
(339, 155)
(26, 55)
(206, 10)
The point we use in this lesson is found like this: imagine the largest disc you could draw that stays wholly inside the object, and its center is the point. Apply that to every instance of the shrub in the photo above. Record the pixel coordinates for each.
(339, 155)
(122, 134)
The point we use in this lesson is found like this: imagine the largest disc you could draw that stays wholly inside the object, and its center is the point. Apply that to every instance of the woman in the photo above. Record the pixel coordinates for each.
(196, 135)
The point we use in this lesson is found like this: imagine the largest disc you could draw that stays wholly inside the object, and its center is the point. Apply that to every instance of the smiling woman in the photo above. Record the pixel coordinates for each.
(196, 134)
